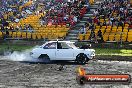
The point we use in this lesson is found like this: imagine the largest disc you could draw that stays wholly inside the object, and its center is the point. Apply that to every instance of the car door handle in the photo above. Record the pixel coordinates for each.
(57, 50)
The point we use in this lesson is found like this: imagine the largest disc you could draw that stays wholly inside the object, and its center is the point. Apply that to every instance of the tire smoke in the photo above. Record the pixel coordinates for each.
(20, 55)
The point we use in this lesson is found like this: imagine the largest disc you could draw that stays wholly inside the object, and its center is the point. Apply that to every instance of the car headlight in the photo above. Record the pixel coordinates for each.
(93, 53)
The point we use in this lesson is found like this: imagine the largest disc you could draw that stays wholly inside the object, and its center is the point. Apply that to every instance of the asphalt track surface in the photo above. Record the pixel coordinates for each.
(39, 75)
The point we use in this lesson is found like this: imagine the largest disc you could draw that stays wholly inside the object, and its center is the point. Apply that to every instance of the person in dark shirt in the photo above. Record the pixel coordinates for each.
(100, 35)
(120, 24)
(90, 20)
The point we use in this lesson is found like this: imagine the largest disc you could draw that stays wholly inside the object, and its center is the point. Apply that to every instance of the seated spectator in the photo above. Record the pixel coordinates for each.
(90, 20)
(93, 37)
(91, 26)
(104, 24)
(130, 26)
(95, 20)
(82, 30)
(120, 24)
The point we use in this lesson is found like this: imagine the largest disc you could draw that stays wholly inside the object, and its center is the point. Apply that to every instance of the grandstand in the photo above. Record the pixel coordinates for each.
(64, 19)
(117, 30)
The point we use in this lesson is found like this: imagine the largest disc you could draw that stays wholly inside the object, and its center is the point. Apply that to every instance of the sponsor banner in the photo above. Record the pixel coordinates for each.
(83, 78)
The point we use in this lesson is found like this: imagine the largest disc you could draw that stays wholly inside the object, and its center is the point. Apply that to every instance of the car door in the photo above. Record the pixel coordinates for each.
(50, 50)
(64, 52)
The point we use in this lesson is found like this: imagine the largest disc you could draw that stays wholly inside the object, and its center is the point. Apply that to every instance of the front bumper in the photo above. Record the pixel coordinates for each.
(91, 56)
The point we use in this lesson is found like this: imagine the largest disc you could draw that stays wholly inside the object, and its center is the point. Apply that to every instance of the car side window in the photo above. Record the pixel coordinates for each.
(63, 45)
(50, 46)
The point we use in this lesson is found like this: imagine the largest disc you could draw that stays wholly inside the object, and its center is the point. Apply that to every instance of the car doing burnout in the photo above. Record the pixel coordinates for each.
(62, 50)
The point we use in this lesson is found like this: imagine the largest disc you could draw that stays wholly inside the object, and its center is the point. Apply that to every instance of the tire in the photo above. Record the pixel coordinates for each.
(44, 58)
(88, 59)
(81, 59)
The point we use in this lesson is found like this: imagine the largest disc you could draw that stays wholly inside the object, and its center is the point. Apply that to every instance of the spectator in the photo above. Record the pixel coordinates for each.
(95, 20)
(83, 30)
(100, 35)
(90, 20)
(91, 26)
(120, 23)
(93, 37)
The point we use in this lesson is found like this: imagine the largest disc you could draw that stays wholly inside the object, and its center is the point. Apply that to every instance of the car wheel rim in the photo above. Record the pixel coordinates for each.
(81, 59)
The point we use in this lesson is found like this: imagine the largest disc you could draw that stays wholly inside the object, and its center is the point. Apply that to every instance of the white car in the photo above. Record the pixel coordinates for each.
(62, 50)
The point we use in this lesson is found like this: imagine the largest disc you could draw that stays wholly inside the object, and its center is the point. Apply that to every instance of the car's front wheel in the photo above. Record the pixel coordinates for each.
(81, 59)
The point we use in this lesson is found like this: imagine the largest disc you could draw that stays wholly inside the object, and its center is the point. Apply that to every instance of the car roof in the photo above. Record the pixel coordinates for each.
(60, 41)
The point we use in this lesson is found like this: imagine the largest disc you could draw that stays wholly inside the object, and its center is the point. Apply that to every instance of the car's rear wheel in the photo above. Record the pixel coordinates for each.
(81, 58)
(44, 58)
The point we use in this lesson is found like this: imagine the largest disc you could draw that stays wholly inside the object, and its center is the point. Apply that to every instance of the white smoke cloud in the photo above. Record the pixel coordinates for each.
(20, 55)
